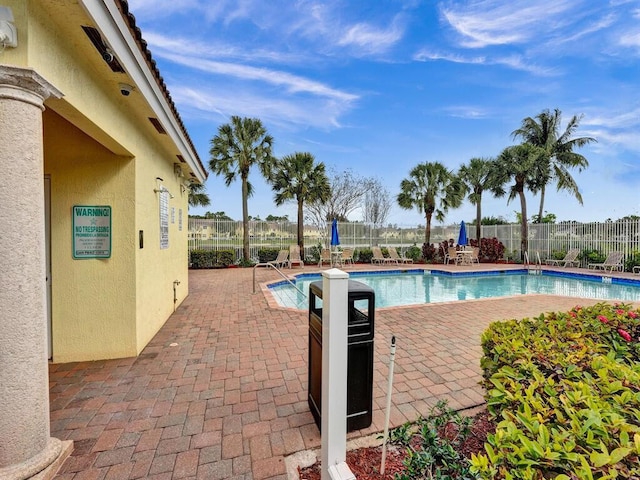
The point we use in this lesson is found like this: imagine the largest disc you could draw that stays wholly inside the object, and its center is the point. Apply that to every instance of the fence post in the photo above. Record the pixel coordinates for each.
(335, 288)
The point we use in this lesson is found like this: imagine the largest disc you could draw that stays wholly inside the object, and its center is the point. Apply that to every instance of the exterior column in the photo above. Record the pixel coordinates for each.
(26, 448)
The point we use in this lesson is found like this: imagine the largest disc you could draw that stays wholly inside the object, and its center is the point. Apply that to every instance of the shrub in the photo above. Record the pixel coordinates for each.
(267, 254)
(433, 452)
(429, 253)
(413, 252)
(491, 249)
(210, 258)
(566, 387)
(313, 254)
(363, 255)
(588, 256)
(632, 260)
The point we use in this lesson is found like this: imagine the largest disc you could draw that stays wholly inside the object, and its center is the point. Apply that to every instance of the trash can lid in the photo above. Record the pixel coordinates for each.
(354, 288)
(359, 287)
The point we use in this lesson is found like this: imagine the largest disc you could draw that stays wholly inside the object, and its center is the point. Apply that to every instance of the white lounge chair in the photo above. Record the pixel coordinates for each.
(613, 261)
(393, 255)
(294, 256)
(569, 259)
(378, 257)
(281, 260)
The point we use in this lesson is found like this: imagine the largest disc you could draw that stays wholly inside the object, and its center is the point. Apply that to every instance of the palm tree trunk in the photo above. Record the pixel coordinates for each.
(245, 220)
(478, 220)
(427, 229)
(542, 190)
(524, 232)
(300, 228)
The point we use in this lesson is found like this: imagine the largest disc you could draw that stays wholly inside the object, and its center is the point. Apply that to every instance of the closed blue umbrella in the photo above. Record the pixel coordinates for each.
(462, 236)
(335, 239)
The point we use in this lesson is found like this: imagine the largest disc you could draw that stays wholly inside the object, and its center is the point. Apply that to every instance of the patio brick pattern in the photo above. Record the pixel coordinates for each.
(229, 401)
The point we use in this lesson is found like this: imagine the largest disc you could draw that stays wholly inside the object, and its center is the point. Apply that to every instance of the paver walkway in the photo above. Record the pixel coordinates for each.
(221, 391)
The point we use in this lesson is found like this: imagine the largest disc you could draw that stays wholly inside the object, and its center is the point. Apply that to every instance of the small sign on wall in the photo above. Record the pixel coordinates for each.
(91, 231)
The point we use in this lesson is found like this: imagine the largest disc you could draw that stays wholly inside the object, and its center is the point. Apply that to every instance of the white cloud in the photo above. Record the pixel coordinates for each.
(495, 22)
(218, 102)
(369, 39)
(515, 62)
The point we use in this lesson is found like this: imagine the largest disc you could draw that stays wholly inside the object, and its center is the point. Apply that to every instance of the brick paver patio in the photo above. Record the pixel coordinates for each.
(221, 391)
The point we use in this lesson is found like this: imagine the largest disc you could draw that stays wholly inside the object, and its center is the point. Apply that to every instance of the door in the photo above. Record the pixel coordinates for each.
(47, 237)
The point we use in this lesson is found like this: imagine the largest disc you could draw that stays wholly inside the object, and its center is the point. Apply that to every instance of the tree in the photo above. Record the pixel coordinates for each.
(432, 189)
(197, 196)
(237, 147)
(520, 164)
(297, 177)
(347, 192)
(218, 216)
(377, 203)
(479, 175)
(558, 156)
(277, 218)
(548, 218)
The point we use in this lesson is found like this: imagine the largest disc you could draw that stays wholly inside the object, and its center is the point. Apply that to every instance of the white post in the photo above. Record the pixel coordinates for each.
(335, 292)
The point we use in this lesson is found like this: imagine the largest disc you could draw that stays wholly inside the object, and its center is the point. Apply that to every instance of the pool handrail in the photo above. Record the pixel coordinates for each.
(270, 264)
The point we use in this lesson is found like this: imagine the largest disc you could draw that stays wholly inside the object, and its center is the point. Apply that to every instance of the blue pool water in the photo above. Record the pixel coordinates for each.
(417, 286)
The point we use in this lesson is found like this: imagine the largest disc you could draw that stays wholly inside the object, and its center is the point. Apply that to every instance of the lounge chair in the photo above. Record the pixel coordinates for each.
(325, 256)
(294, 256)
(393, 255)
(569, 259)
(281, 260)
(378, 257)
(613, 261)
(347, 256)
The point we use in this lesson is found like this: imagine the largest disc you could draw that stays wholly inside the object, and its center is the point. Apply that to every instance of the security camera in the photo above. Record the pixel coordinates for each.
(125, 89)
(107, 56)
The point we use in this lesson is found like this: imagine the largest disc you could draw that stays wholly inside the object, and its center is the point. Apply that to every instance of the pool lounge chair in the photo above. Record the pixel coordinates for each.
(393, 255)
(294, 256)
(379, 258)
(281, 260)
(613, 261)
(569, 259)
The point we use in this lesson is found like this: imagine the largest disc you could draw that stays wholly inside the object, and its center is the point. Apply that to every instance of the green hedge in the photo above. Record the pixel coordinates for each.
(267, 254)
(565, 388)
(364, 255)
(210, 258)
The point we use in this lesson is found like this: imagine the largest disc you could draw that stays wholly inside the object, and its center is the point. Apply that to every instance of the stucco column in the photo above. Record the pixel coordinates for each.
(26, 448)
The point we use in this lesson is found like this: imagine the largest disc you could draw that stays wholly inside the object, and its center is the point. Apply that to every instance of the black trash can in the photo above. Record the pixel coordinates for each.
(360, 331)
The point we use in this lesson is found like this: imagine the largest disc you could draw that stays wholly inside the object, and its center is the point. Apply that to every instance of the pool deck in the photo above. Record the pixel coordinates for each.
(229, 399)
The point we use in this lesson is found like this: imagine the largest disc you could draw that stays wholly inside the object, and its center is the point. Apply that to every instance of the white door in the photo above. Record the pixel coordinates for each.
(47, 236)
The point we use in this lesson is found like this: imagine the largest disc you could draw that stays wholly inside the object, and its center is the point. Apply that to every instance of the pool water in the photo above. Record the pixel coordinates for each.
(413, 287)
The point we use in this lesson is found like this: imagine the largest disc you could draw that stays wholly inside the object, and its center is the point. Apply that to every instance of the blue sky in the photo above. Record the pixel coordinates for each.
(380, 86)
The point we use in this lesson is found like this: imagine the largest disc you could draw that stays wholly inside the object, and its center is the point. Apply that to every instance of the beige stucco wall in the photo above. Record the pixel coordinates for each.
(93, 300)
(100, 149)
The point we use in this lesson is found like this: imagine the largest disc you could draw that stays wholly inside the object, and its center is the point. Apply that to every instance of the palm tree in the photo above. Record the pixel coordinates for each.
(432, 189)
(234, 150)
(479, 175)
(197, 196)
(543, 131)
(297, 177)
(520, 163)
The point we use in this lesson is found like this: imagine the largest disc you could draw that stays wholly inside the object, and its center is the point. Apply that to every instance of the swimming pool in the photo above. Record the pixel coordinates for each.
(419, 286)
